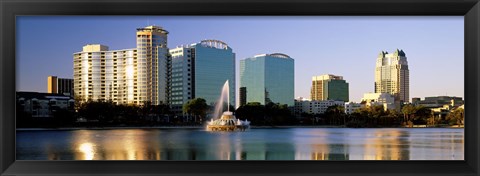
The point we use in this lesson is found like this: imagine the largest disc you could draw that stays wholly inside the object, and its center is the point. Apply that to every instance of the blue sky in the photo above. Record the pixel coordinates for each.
(346, 46)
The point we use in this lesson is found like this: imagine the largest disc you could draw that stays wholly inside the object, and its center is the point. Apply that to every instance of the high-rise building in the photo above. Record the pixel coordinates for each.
(200, 70)
(127, 76)
(329, 87)
(62, 86)
(268, 78)
(392, 75)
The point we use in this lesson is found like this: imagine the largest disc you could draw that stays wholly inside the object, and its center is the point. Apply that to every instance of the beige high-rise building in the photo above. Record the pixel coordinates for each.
(392, 75)
(127, 76)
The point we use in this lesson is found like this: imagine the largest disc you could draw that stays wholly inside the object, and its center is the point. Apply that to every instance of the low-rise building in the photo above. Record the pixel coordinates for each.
(43, 105)
(314, 107)
(385, 99)
(438, 101)
(351, 107)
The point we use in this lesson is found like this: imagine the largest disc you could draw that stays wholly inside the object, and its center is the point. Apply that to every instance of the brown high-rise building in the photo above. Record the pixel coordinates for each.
(60, 85)
(329, 87)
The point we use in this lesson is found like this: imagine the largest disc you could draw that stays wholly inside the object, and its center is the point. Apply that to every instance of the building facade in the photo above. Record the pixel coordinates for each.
(128, 76)
(62, 86)
(329, 87)
(43, 105)
(385, 99)
(314, 106)
(268, 78)
(438, 101)
(200, 70)
(351, 107)
(392, 75)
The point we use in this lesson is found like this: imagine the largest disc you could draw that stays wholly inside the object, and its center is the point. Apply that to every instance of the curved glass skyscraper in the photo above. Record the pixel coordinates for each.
(267, 78)
(200, 70)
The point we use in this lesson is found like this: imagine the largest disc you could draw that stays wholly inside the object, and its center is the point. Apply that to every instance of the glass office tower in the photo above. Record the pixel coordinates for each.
(200, 70)
(268, 78)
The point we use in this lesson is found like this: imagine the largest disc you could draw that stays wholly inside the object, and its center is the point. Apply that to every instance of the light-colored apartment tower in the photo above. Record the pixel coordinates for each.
(127, 76)
(392, 75)
(152, 65)
(329, 87)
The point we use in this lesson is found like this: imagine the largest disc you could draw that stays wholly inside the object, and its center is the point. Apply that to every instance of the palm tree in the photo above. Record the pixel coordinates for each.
(408, 111)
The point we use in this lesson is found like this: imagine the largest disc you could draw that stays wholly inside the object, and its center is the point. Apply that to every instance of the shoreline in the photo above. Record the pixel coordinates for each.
(201, 127)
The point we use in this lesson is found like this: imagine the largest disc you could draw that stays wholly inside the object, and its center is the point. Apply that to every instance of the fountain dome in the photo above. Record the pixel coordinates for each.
(228, 122)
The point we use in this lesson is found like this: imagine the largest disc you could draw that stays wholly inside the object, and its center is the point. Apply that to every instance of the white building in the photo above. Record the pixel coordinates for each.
(127, 76)
(385, 99)
(314, 107)
(351, 107)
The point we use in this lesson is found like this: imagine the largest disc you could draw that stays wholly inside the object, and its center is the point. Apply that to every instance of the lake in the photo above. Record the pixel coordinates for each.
(254, 144)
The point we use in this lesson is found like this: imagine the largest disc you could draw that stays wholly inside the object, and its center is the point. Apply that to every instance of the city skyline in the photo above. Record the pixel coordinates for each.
(422, 38)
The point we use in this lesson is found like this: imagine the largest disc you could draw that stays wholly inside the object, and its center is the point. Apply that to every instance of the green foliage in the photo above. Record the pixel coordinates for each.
(197, 106)
(270, 114)
(456, 117)
(336, 115)
(373, 116)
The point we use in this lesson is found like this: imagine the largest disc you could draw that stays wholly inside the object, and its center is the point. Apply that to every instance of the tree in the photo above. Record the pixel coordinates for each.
(456, 117)
(408, 111)
(336, 114)
(422, 114)
(197, 107)
(252, 111)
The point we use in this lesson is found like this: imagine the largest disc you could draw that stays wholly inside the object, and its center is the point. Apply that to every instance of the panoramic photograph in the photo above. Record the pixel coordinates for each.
(240, 88)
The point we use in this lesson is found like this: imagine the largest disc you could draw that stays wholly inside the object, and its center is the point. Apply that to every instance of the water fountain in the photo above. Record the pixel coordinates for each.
(227, 122)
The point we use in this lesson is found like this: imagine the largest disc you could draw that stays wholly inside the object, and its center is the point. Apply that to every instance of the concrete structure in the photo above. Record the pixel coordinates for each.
(43, 105)
(385, 99)
(438, 101)
(351, 107)
(268, 78)
(329, 87)
(199, 70)
(314, 106)
(62, 86)
(392, 75)
(127, 76)
(440, 105)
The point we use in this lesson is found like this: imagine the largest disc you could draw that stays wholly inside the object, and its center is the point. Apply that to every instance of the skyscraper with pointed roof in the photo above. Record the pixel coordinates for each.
(392, 75)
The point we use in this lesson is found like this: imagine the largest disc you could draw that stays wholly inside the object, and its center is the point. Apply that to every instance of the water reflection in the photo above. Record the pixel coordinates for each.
(256, 144)
(388, 144)
(87, 150)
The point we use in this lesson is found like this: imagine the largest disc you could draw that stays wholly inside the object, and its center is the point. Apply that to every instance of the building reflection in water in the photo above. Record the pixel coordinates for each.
(284, 144)
(320, 144)
(115, 145)
(386, 144)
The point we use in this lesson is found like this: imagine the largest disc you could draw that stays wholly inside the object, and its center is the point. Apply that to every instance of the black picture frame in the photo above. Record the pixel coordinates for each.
(9, 9)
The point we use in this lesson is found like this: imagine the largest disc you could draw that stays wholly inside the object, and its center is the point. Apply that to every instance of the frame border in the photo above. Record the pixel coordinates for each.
(9, 9)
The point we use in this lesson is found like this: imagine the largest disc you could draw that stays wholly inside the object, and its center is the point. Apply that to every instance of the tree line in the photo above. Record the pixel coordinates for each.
(196, 112)
(377, 116)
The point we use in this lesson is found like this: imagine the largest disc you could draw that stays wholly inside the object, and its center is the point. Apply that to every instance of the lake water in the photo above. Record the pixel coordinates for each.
(255, 144)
